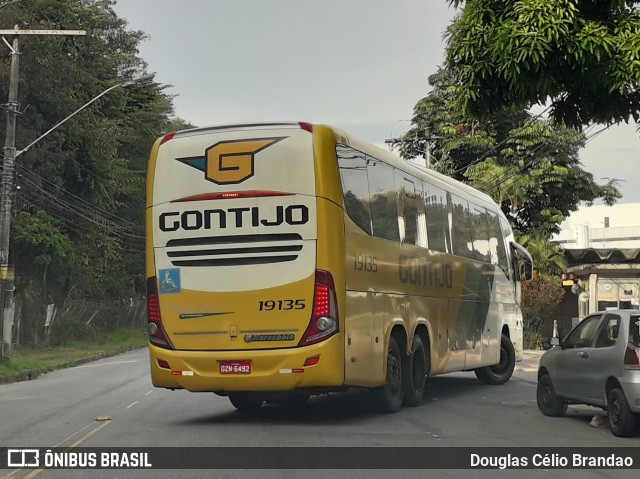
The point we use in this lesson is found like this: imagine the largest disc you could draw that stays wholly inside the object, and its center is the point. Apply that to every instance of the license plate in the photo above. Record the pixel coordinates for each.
(235, 367)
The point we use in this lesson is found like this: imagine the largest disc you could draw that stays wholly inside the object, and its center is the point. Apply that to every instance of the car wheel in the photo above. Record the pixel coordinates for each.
(388, 398)
(548, 402)
(246, 401)
(621, 420)
(501, 372)
(415, 371)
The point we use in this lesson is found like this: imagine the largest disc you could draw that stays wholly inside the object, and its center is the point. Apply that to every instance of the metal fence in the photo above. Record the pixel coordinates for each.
(36, 323)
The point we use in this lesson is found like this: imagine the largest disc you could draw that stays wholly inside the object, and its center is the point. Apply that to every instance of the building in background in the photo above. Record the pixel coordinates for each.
(602, 249)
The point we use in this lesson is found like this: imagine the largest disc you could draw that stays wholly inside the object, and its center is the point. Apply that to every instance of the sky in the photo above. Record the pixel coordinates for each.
(360, 65)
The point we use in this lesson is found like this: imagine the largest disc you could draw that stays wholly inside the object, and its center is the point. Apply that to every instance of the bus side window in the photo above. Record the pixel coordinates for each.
(384, 210)
(421, 225)
(461, 228)
(437, 218)
(496, 244)
(355, 186)
(480, 234)
(410, 210)
(505, 233)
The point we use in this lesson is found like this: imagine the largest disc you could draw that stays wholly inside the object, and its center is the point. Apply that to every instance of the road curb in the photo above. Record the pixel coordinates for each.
(30, 374)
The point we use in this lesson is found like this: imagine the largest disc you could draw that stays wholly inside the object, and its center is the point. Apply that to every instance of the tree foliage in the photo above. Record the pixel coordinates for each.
(581, 55)
(79, 211)
(529, 166)
(540, 297)
(548, 257)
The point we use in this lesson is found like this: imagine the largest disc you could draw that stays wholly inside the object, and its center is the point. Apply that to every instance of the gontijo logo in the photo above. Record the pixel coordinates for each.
(230, 162)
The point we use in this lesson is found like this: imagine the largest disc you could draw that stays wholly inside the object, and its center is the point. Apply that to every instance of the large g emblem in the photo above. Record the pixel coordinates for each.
(231, 161)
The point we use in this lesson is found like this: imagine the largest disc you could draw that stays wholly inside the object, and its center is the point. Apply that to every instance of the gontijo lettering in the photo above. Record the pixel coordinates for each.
(422, 272)
(223, 218)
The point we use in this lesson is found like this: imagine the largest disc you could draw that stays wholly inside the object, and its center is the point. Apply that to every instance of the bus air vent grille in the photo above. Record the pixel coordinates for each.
(241, 250)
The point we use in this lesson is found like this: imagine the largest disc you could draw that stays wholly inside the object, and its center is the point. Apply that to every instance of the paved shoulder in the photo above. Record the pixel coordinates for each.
(530, 360)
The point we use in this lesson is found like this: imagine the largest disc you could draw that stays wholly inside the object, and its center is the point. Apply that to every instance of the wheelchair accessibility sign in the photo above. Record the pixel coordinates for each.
(169, 280)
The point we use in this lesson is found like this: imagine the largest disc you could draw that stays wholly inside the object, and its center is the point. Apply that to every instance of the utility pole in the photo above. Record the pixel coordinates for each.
(430, 143)
(7, 183)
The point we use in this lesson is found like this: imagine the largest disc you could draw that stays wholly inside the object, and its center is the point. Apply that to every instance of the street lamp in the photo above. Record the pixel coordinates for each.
(117, 85)
(7, 185)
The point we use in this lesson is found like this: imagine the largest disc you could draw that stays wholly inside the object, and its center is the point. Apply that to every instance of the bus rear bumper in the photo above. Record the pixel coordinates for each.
(271, 370)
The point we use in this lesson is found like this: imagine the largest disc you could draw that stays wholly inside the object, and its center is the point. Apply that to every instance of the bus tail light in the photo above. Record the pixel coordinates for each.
(167, 137)
(157, 334)
(324, 317)
(163, 364)
(312, 361)
(306, 126)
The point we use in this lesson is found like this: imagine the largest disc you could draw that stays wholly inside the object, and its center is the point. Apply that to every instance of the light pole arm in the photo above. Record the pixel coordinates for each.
(127, 83)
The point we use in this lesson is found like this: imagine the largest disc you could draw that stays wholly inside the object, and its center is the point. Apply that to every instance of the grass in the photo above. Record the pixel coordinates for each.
(29, 363)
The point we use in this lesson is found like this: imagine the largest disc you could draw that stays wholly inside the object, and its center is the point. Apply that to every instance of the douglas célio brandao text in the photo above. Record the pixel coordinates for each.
(550, 460)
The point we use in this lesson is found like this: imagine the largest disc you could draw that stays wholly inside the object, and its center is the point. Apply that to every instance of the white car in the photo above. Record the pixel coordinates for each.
(598, 364)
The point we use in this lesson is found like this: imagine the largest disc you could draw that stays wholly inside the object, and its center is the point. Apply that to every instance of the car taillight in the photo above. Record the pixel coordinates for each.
(157, 334)
(632, 357)
(324, 317)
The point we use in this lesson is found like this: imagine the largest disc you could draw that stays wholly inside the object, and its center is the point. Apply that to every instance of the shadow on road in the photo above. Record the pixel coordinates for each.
(344, 408)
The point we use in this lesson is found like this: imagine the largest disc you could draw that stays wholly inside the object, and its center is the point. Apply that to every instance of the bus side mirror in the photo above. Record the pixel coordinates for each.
(524, 261)
(527, 271)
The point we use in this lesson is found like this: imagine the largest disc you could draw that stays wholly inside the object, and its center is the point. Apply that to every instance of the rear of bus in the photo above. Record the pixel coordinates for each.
(245, 261)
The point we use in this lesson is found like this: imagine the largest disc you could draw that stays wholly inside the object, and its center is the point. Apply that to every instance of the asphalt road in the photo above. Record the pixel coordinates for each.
(111, 402)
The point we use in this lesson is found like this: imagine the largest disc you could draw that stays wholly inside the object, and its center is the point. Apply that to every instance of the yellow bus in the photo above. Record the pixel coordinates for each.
(288, 259)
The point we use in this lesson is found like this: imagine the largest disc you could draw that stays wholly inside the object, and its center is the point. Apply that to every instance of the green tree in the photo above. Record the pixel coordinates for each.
(46, 243)
(582, 56)
(540, 297)
(529, 166)
(548, 257)
(80, 207)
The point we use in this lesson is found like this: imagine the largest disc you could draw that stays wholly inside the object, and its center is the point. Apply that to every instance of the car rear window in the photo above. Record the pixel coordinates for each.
(634, 330)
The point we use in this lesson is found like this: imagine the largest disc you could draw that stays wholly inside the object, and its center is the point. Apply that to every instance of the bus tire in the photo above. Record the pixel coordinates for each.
(501, 372)
(388, 398)
(415, 372)
(246, 401)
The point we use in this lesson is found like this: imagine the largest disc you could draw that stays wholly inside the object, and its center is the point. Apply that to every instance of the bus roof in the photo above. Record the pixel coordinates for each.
(366, 147)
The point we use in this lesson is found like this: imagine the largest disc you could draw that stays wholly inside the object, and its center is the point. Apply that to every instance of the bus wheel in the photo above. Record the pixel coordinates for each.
(415, 372)
(501, 372)
(246, 401)
(388, 398)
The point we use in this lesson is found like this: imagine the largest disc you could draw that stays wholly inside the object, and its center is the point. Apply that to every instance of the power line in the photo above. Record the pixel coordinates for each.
(78, 201)
(78, 210)
(527, 123)
(539, 152)
(80, 228)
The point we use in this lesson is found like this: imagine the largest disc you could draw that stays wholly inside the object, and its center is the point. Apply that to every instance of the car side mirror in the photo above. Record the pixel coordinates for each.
(549, 343)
